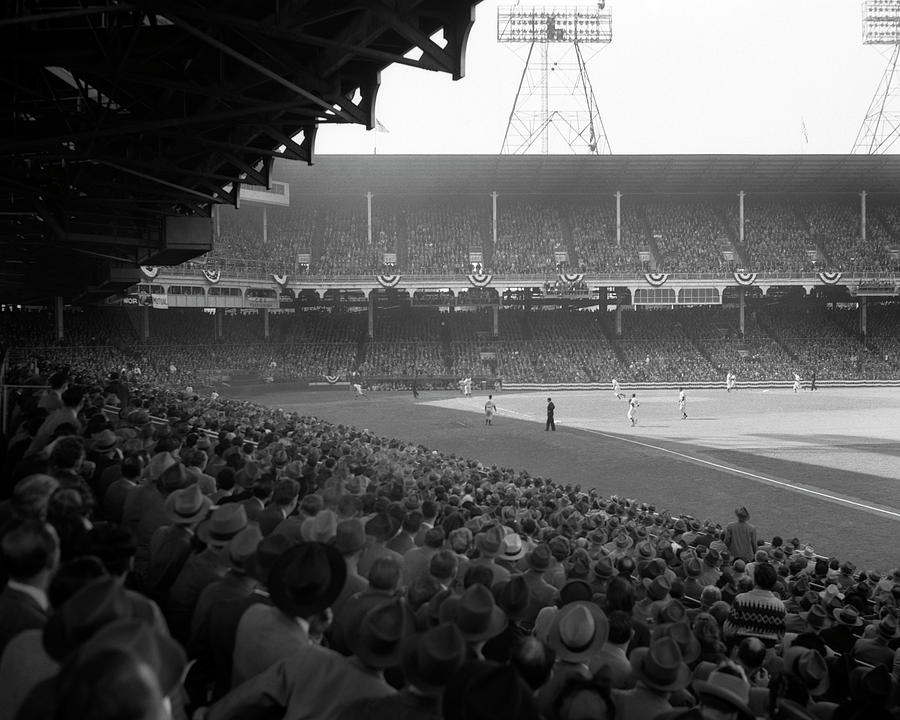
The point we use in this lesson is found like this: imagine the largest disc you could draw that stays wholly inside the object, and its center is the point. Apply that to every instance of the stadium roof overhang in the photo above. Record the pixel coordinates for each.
(595, 175)
(126, 122)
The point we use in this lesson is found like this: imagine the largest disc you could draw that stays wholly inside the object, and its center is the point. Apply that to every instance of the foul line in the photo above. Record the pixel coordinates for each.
(762, 478)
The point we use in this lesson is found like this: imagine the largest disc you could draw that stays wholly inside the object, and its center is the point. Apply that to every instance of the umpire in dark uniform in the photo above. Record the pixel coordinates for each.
(551, 425)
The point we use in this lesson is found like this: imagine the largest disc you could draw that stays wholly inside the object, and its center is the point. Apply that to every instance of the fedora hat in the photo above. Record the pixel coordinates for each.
(269, 549)
(733, 689)
(816, 617)
(349, 537)
(225, 522)
(321, 527)
(603, 569)
(661, 666)
(809, 667)
(94, 606)
(431, 658)
(831, 594)
(307, 579)
(243, 546)
(490, 542)
(644, 550)
(512, 596)
(578, 631)
(658, 588)
(692, 567)
(809, 553)
(682, 634)
(623, 541)
(887, 627)
(382, 527)
(105, 441)
(712, 558)
(377, 639)
(475, 614)
(158, 464)
(159, 652)
(848, 615)
(187, 506)
(513, 548)
(539, 558)
(665, 613)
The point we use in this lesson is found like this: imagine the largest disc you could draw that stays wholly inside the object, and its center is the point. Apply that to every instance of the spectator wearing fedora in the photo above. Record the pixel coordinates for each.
(303, 584)
(726, 692)
(481, 689)
(740, 536)
(113, 499)
(195, 461)
(215, 645)
(236, 583)
(541, 593)
(349, 541)
(877, 650)
(477, 616)
(576, 634)
(428, 661)
(489, 544)
(611, 660)
(843, 634)
(383, 584)
(379, 530)
(171, 544)
(203, 567)
(659, 671)
(711, 571)
(312, 682)
(404, 541)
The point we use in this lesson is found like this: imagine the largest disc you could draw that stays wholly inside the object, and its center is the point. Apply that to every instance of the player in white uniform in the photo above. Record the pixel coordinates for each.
(682, 403)
(617, 390)
(359, 390)
(797, 385)
(730, 381)
(489, 409)
(633, 405)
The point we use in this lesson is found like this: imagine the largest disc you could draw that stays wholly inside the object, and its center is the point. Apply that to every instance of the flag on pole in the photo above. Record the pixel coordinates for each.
(380, 127)
(803, 130)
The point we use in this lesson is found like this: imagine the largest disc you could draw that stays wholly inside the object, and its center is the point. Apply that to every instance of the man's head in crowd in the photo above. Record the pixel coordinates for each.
(31, 552)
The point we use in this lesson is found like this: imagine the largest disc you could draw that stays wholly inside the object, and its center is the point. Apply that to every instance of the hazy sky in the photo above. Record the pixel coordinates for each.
(680, 76)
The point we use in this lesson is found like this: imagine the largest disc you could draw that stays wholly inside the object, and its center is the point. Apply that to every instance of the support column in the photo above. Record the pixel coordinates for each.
(58, 321)
(220, 313)
(862, 215)
(618, 320)
(145, 323)
(741, 294)
(369, 216)
(863, 329)
(265, 225)
(741, 216)
(371, 314)
(265, 314)
(495, 325)
(618, 219)
(494, 217)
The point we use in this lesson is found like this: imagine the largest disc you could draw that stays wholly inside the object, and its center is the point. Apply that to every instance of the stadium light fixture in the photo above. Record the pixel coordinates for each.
(881, 125)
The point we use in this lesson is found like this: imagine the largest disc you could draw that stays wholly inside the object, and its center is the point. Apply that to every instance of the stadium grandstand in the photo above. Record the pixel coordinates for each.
(339, 442)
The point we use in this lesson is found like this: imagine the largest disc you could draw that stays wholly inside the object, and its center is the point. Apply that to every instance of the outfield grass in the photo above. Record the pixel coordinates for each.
(822, 466)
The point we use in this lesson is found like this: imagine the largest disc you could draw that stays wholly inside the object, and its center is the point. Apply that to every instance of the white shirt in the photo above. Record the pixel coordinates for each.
(38, 595)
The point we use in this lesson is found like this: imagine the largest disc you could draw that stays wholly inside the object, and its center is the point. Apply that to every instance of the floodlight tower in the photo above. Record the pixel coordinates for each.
(555, 99)
(881, 126)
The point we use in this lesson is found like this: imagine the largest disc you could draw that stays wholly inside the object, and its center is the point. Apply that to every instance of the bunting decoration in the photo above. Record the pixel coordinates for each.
(480, 280)
(830, 278)
(150, 271)
(212, 276)
(656, 279)
(745, 278)
(280, 279)
(388, 281)
(571, 277)
(332, 379)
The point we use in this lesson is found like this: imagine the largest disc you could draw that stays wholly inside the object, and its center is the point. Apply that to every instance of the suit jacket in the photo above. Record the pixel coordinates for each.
(839, 638)
(874, 651)
(416, 563)
(224, 618)
(269, 519)
(18, 612)
(199, 570)
(264, 636)
(144, 512)
(401, 543)
(372, 553)
(24, 664)
(312, 684)
(170, 548)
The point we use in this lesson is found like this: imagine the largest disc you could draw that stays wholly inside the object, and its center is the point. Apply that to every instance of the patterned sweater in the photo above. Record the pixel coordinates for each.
(759, 613)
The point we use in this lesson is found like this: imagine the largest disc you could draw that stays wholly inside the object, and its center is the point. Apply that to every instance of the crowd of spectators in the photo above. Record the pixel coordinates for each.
(431, 236)
(538, 345)
(191, 556)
